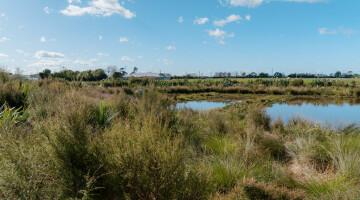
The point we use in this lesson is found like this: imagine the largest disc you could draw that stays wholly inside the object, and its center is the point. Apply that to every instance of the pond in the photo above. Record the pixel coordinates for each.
(202, 105)
(338, 115)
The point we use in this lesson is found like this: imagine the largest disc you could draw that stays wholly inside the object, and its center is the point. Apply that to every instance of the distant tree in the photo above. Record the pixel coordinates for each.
(263, 75)
(121, 73)
(18, 71)
(111, 70)
(45, 74)
(278, 75)
(4, 75)
(134, 70)
(252, 75)
(243, 74)
(99, 74)
(337, 74)
(68, 75)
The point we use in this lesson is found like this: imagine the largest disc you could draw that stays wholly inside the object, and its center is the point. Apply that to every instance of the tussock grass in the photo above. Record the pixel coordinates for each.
(82, 142)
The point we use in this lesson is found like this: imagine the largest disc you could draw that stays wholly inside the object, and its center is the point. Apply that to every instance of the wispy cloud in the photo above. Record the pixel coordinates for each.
(47, 10)
(180, 20)
(219, 35)
(171, 47)
(229, 19)
(127, 59)
(343, 30)
(42, 39)
(4, 39)
(124, 39)
(48, 54)
(102, 54)
(200, 21)
(254, 3)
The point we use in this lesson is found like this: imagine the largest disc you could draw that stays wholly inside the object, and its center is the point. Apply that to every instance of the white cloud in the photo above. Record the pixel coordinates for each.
(248, 18)
(124, 39)
(42, 39)
(220, 35)
(254, 3)
(74, 1)
(47, 10)
(4, 16)
(171, 47)
(127, 59)
(84, 62)
(3, 55)
(347, 32)
(102, 54)
(200, 21)
(3, 39)
(48, 55)
(229, 19)
(100, 8)
(325, 31)
(180, 20)
(100, 37)
(140, 57)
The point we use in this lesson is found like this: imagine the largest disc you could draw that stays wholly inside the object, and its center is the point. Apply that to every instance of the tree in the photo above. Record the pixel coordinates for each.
(337, 74)
(45, 74)
(243, 74)
(18, 71)
(111, 70)
(278, 75)
(99, 74)
(263, 75)
(252, 75)
(134, 70)
(121, 73)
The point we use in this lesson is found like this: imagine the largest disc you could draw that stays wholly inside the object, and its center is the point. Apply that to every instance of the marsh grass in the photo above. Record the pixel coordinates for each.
(86, 142)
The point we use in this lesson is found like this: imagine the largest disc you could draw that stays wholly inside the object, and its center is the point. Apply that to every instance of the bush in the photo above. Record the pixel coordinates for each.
(297, 82)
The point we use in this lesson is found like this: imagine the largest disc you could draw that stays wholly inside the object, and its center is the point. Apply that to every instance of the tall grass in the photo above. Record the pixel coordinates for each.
(105, 143)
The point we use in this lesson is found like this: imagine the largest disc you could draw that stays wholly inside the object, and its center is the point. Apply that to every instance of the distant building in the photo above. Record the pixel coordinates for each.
(149, 75)
(33, 77)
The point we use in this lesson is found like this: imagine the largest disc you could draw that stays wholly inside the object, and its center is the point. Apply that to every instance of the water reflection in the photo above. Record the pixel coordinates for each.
(329, 114)
(202, 105)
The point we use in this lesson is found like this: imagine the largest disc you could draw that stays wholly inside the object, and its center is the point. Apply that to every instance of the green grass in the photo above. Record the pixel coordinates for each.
(80, 142)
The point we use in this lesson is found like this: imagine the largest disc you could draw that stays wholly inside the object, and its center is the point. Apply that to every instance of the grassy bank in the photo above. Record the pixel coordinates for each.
(73, 141)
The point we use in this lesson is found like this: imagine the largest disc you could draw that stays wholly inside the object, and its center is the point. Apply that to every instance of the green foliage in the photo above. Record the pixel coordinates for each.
(297, 82)
(104, 114)
(89, 142)
(45, 74)
(9, 116)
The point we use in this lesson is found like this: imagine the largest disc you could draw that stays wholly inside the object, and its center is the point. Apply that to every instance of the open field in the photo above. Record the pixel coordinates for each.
(78, 141)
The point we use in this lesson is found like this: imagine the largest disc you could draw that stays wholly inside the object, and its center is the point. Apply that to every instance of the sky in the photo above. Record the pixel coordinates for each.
(181, 36)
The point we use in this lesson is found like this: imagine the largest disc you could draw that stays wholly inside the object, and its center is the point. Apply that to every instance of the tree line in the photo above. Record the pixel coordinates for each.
(115, 72)
(88, 75)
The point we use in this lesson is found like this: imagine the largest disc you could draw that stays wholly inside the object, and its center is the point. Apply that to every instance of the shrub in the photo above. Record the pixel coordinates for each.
(297, 82)
(103, 114)
(9, 116)
(146, 164)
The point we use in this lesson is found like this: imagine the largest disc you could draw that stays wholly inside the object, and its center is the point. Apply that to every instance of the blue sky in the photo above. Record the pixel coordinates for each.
(179, 36)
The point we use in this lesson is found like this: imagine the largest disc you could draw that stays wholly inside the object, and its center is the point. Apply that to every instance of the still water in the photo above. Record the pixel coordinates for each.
(338, 115)
(202, 105)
